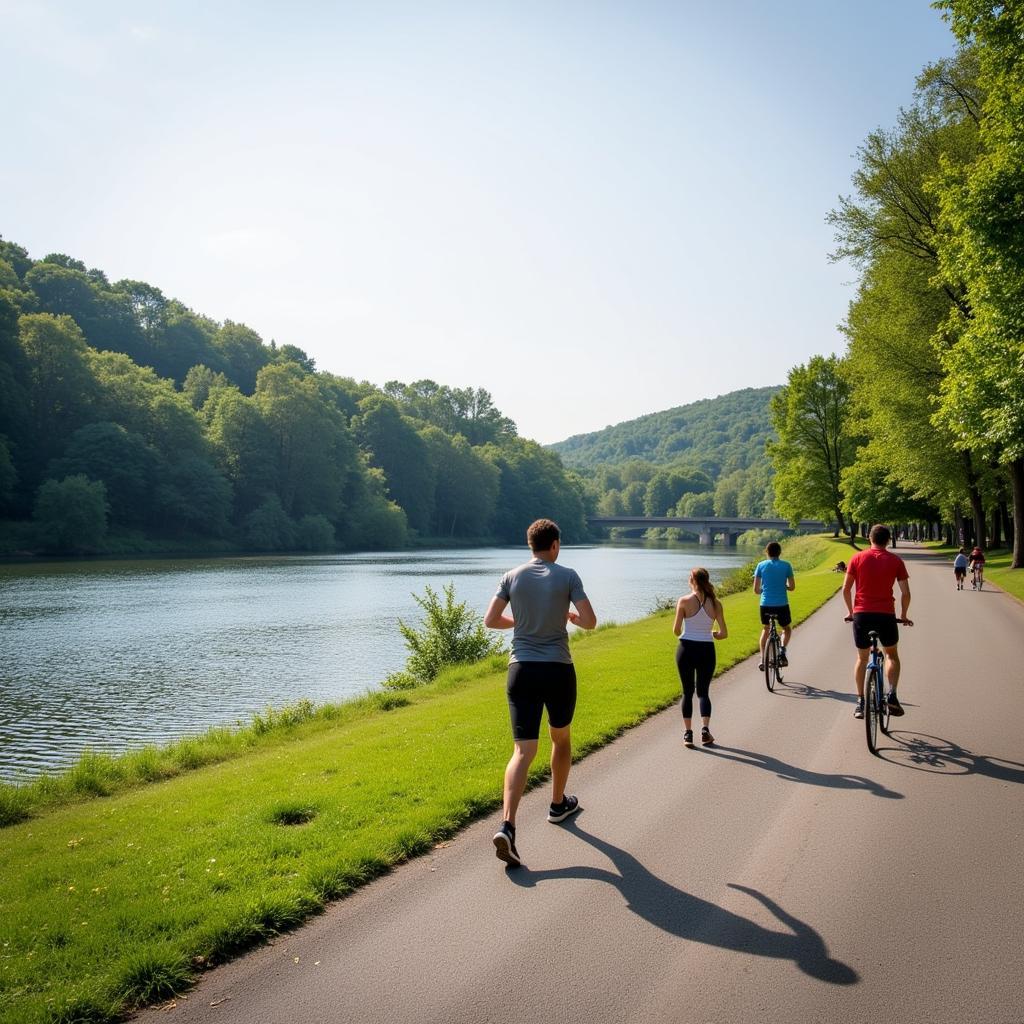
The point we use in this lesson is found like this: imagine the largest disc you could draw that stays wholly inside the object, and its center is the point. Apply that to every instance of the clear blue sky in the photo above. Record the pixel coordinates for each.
(593, 210)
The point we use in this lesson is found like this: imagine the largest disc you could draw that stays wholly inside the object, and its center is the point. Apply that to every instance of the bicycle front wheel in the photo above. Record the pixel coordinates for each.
(871, 709)
(771, 661)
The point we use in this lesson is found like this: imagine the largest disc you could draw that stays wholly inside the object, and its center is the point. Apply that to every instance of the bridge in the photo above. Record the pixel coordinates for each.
(707, 527)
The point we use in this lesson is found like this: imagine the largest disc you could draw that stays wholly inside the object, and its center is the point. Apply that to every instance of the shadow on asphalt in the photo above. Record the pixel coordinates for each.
(791, 773)
(689, 917)
(925, 753)
(804, 691)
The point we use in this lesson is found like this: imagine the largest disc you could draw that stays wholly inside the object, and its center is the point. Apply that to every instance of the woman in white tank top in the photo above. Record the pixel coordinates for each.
(695, 654)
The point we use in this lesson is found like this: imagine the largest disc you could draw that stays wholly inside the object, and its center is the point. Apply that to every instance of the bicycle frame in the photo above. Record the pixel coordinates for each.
(876, 708)
(772, 643)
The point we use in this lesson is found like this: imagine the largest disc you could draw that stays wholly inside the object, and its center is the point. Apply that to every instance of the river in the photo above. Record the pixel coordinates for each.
(109, 655)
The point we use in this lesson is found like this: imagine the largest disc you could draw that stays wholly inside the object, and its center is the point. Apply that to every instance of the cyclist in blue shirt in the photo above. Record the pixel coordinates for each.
(773, 579)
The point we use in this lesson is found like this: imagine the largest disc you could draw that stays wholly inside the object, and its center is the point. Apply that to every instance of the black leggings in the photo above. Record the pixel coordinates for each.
(695, 660)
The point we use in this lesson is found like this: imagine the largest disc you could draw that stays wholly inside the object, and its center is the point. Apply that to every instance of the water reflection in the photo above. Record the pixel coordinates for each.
(110, 655)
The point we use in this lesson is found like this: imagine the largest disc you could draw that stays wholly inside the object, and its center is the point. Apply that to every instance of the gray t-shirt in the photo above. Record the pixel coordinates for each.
(539, 593)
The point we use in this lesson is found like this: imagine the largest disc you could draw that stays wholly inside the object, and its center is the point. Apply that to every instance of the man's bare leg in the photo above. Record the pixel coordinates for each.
(561, 762)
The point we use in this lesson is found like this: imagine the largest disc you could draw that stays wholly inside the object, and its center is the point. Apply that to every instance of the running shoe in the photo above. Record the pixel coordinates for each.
(505, 845)
(559, 812)
(688, 737)
(783, 660)
(858, 708)
(705, 737)
(760, 666)
(895, 707)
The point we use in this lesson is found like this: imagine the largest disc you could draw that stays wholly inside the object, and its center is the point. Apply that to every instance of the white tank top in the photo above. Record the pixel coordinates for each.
(699, 625)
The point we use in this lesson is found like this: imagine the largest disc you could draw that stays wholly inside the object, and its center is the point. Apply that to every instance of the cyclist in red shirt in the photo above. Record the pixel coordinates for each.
(871, 575)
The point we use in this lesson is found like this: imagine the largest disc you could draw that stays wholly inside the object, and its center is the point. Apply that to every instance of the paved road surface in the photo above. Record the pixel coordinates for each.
(783, 875)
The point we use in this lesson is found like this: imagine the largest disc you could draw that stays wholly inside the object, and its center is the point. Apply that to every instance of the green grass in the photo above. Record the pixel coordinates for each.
(997, 568)
(109, 903)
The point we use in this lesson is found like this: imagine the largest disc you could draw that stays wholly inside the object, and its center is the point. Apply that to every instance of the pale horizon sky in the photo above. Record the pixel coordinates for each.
(593, 210)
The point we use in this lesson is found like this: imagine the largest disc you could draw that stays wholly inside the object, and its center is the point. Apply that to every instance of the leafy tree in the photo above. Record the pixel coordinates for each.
(269, 527)
(199, 382)
(8, 474)
(71, 514)
(314, 533)
(243, 447)
(816, 441)
(193, 497)
(983, 394)
(242, 354)
(467, 485)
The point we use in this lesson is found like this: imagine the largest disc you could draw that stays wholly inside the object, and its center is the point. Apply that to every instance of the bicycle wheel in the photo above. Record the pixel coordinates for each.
(883, 704)
(771, 659)
(871, 711)
(778, 667)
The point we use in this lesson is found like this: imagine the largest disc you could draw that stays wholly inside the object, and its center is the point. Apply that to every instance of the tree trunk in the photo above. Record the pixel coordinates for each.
(1017, 476)
(995, 539)
(1004, 511)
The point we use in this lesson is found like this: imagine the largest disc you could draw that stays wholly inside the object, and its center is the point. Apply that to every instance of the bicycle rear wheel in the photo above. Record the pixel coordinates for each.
(871, 710)
(771, 661)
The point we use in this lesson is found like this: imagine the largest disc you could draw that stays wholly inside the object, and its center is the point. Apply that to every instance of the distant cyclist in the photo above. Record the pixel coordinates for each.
(960, 564)
(773, 579)
(977, 562)
(872, 574)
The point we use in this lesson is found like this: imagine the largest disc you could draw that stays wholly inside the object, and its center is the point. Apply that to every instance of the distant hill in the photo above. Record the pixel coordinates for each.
(727, 431)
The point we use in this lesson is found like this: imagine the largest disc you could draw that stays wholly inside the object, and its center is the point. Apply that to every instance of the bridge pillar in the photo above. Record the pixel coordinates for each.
(730, 539)
(707, 537)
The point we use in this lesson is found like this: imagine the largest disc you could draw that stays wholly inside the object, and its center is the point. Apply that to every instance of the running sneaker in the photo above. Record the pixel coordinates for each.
(559, 812)
(688, 738)
(760, 666)
(705, 737)
(783, 660)
(858, 708)
(505, 845)
(895, 707)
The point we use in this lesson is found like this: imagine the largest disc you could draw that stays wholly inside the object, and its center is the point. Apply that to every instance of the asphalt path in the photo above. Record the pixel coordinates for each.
(784, 874)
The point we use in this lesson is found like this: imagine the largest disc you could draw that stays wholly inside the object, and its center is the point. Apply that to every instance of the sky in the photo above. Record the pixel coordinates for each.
(592, 210)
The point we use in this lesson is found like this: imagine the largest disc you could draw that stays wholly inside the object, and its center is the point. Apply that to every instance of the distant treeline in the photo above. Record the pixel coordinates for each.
(127, 417)
(706, 458)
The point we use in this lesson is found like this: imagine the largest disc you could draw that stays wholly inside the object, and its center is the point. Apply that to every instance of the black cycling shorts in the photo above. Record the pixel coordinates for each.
(875, 622)
(959, 573)
(780, 611)
(535, 685)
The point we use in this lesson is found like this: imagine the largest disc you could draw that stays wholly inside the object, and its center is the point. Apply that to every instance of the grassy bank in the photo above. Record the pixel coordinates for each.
(108, 903)
(997, 568)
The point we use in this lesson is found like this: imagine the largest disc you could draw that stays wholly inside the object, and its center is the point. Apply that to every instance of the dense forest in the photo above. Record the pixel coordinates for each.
(706, 458)
(922, 418)
(128, 422)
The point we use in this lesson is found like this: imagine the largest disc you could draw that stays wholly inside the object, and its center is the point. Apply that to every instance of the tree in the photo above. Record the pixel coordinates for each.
(242, 353)
(268, 527)
(71, 514)
(467, 485)
(816, 441)
(983, 397)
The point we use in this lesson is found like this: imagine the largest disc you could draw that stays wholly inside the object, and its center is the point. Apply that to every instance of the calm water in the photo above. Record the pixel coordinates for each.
(110, 655)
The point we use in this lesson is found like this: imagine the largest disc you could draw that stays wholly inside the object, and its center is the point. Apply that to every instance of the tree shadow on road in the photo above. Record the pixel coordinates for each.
(791, 773)
(690, 917)
(944, 757)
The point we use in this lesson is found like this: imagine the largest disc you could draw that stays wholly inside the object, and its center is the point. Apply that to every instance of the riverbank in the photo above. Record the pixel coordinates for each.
(111, 903)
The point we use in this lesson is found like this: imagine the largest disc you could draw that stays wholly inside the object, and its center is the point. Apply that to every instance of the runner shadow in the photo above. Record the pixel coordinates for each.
(925, 753)
(697, 920)
(791, 773)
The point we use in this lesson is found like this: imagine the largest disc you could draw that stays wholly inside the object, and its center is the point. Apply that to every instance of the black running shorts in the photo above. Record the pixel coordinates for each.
(878, 622)
(780, 611)
(535, 685)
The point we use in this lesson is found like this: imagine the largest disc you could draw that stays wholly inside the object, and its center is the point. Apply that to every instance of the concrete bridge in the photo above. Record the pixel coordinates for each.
(707, 527)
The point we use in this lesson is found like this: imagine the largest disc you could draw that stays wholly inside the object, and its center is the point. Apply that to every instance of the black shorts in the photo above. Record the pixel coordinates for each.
(959, 573)
(535, 685)
(875, 622)
(780, 611)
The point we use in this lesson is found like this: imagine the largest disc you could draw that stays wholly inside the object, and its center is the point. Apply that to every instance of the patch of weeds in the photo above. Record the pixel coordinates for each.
(389, 701)
(151, 975)
(15, 804)
(84, 1010)
(292, 814)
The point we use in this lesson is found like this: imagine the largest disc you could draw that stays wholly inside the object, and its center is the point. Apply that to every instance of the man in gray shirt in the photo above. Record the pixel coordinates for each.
(540, 671)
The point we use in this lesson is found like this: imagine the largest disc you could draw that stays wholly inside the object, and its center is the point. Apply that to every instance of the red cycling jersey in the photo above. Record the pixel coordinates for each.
(875, 572)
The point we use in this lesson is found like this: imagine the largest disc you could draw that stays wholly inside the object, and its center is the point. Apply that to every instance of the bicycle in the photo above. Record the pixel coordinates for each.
(772, 672)
(977, 577)
(876, 707)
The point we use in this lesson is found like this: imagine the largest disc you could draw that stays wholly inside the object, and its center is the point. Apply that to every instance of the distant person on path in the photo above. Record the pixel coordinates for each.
(977, 562)
(695, 652)
(773, 579)
(871, 575)
(960, 564)
(540, 672)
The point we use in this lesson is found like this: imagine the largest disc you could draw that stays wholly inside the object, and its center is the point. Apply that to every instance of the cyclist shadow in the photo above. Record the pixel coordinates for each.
(804, 691)
(791, 773)
(925, 753)
(689, 917)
